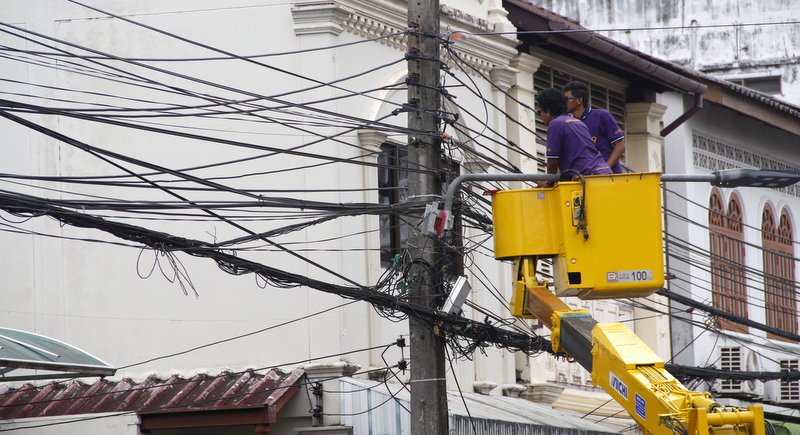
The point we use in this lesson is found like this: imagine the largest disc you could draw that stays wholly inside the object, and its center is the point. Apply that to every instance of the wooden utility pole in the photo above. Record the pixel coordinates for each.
(428, 387)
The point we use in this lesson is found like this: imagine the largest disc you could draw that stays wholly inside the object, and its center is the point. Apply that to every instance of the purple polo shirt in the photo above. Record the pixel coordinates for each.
(568, 141)
(604, 132)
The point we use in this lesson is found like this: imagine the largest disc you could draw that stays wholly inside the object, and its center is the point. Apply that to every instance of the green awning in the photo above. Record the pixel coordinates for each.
(26, 350)
(785, 428)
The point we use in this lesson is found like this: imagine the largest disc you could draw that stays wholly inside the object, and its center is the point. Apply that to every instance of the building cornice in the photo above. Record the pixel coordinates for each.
(387, 20)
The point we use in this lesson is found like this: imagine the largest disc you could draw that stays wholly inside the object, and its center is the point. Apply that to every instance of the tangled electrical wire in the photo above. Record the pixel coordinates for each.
(476, 334)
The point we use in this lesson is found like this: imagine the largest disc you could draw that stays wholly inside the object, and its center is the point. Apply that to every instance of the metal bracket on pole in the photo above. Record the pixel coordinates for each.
(455, 185)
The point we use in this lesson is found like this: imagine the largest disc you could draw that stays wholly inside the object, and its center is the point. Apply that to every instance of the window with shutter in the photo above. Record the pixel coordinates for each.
(601, 97)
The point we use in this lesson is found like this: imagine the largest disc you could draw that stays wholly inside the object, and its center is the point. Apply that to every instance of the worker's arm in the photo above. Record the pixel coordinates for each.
(552, 168)
(616, 153)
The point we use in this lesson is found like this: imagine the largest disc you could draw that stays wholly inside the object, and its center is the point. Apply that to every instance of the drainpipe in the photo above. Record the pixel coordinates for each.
(698, 104)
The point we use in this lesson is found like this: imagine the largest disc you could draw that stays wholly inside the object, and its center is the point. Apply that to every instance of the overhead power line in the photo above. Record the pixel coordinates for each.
(453, 327)
(726, 315)
(712, 374)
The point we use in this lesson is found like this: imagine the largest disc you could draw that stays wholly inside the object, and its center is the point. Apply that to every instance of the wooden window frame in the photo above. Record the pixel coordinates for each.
(780, 295)
(726, 245)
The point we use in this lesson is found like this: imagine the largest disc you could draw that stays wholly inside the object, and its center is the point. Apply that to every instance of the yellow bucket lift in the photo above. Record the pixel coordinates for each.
(604, 233)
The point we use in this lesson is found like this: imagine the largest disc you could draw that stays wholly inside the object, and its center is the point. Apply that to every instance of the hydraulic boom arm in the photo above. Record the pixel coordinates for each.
(625, 367)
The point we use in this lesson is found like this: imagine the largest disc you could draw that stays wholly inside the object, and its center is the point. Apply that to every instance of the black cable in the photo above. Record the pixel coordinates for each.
(198, 59)
(727, 316)
(226, 340)
(450, 326)
(460, 393)
(218, 50)
(185, 77)
(39, 109)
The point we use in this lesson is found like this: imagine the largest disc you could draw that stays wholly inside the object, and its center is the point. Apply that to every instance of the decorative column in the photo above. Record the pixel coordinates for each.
(644, 143)
(371, 141)
(498, 17)
(523, 111)
(644, 154)
(325, 377)
(502, 79)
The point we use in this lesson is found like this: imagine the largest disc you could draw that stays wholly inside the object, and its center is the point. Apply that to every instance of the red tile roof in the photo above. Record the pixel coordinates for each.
(226, 391)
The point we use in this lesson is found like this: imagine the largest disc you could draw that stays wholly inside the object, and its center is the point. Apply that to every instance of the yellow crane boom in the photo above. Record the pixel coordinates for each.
(604, 234)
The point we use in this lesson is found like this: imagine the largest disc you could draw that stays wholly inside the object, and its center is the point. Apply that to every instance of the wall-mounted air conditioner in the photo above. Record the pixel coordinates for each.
(789, 391)
(738, 358)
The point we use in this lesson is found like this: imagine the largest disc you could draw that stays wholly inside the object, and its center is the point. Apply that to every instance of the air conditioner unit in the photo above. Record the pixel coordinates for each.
(736, 358)
(789, 391)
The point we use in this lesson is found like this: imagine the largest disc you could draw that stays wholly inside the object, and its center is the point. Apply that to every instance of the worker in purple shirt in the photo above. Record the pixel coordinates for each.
(608, 138)
(569, 145)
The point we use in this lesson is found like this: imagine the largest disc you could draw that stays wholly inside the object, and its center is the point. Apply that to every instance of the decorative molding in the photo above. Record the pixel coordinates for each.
(716, 154)
(513, 390)
(644, 118)
(498, 18)
(461, 16)
(315, 17)
(504, 77)
(526, 64)
(483, 387)
(387, 21)
(372, 139)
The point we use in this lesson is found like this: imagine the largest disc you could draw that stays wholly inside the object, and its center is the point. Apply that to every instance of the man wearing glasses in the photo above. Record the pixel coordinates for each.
(569, 146)
(605, 133)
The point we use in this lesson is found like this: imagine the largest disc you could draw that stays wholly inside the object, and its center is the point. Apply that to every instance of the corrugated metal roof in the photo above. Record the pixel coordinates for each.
(22, 349)
(521, 411)
(378, 407)
(175, 394)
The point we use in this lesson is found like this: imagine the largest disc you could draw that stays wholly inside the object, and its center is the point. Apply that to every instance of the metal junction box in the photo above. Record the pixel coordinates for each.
(606, 240)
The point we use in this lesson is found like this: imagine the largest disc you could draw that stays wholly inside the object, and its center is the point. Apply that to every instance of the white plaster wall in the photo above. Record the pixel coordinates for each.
(107, 423)
(719, 49)
(90, 295)
(755, 137)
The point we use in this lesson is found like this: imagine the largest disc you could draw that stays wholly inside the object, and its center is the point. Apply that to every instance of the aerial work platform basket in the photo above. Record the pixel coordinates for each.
(604, 233)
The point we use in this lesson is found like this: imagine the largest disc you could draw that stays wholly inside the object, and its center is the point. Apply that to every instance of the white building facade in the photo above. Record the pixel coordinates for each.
(754, 44)
(316, 125)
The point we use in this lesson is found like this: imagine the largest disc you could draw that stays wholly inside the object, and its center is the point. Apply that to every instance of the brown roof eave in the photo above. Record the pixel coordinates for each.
(528, 17)
(744, 105)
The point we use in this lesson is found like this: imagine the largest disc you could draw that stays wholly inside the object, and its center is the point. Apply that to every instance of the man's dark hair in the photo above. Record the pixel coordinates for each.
(579, 90)
(552, 100)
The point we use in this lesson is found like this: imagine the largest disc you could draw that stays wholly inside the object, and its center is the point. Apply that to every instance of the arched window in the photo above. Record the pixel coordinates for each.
(726, 239)
(780, 298)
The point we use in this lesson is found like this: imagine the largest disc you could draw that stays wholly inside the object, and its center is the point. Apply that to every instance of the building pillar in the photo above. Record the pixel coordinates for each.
(643, 139)
(522, 110)
(372, 141)
(498, 17)
(322, 377)
(644, 154)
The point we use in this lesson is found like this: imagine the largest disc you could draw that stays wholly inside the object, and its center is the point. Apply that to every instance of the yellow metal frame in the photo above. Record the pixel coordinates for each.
(604, 233)
(610, 224)
(635, 377)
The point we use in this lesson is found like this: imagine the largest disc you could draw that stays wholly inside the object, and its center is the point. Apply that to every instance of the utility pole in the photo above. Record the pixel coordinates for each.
(428, 386)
